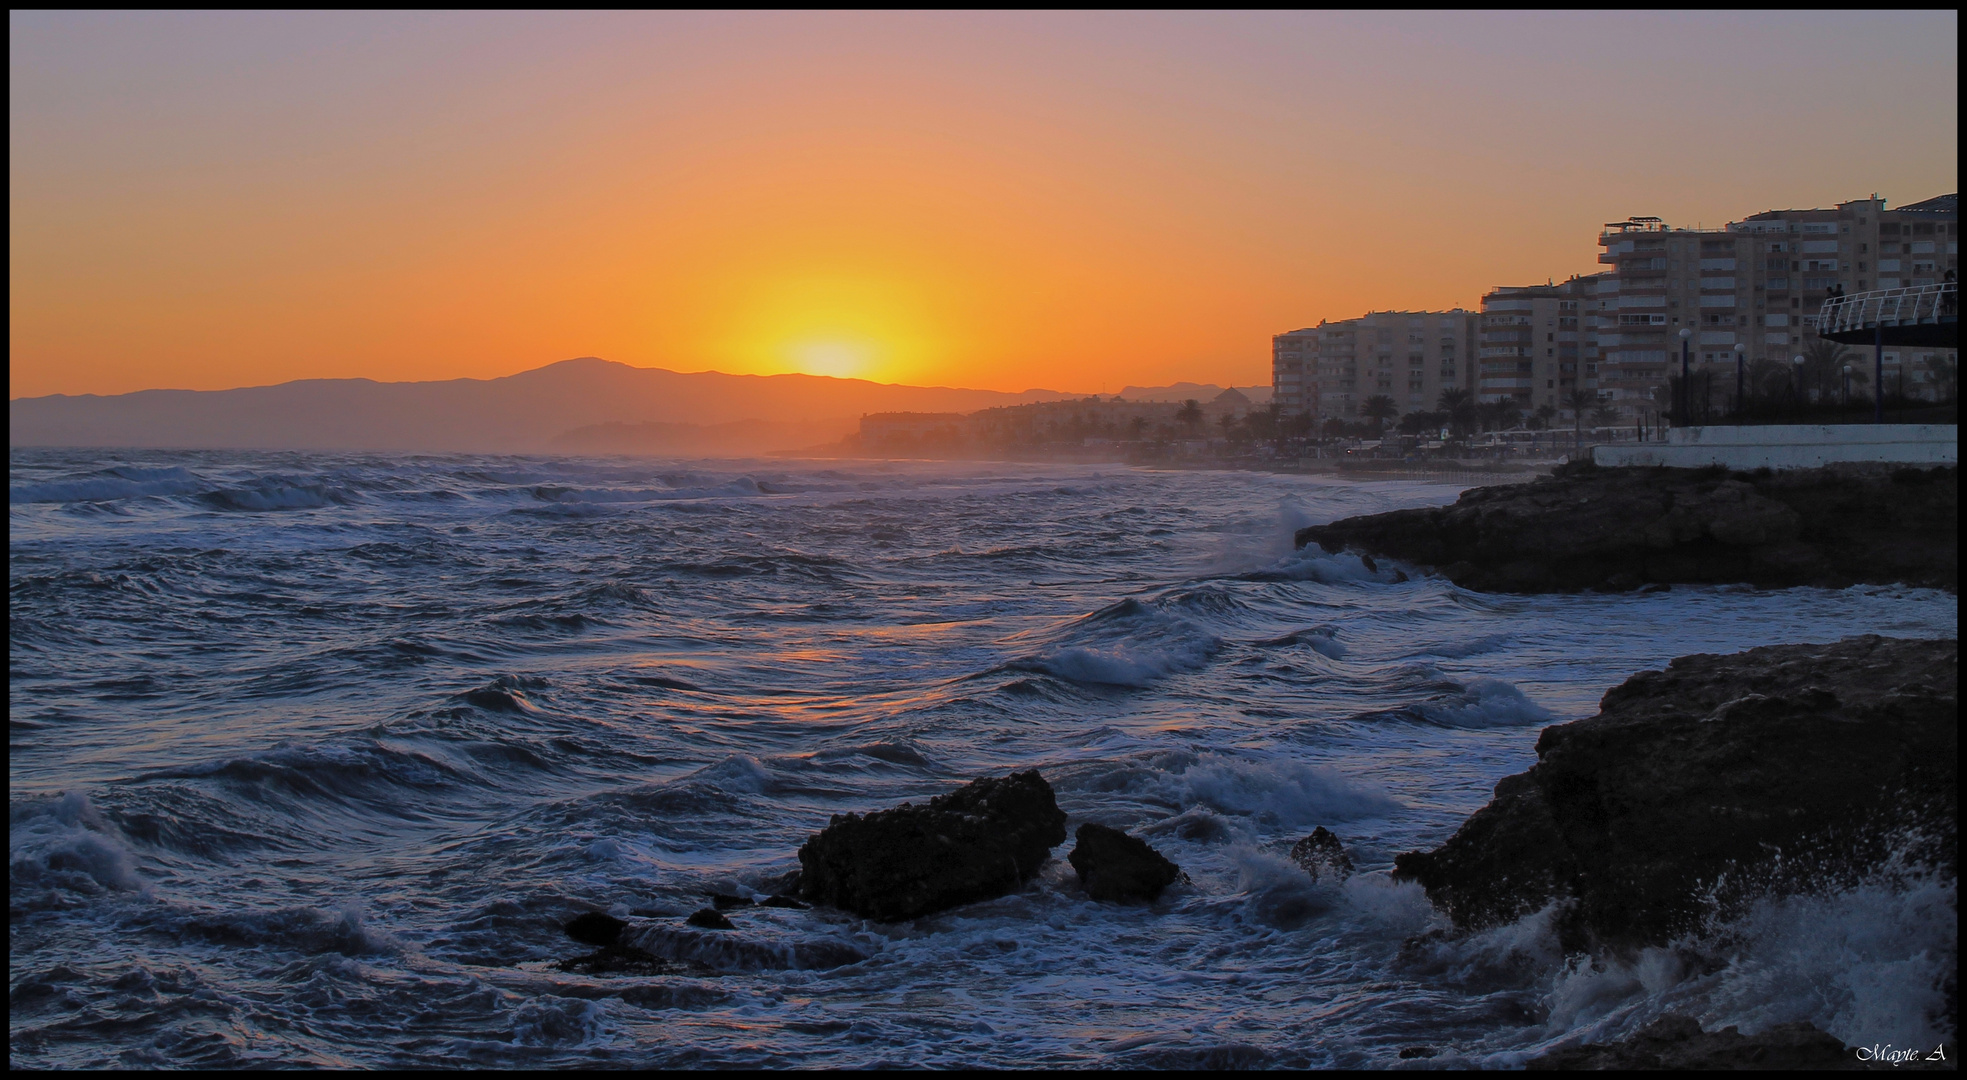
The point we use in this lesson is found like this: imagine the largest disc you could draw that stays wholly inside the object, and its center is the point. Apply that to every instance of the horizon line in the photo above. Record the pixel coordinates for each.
(598, 359)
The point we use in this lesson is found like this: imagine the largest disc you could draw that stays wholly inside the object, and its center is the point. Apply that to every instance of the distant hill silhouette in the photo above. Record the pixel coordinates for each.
(1203, 392)
(586, 405)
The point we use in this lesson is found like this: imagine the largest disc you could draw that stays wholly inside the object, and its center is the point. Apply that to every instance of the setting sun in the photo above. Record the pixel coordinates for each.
(856, 325)
(841, 360)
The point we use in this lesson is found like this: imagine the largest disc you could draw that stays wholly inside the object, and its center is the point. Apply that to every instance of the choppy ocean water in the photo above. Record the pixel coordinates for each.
(310, 755)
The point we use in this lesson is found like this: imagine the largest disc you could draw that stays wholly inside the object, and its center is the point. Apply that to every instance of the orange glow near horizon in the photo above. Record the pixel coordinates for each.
(1010, 201)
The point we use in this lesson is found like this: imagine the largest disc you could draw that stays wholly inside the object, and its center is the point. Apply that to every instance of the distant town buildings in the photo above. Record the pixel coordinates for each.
(1538, 341)
(1330, 370)
(1746, 290)
(914, 429)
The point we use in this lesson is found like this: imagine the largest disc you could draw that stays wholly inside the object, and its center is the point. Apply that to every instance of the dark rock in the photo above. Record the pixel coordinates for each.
(594, 928)
(786, 884)
(977, 842)
(1619, 529)
(780, 900)
(725, 901)
(1777, 769)
(1677, 1042)
(1411, 1052)
(710, 919)
(1118, 867)
(1322, 856)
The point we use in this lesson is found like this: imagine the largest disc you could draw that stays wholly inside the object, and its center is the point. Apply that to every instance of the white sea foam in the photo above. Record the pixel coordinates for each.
(557, 1022)
(1283, 792)
(63, 845)
(1248, 792)
(1344, 568)
(1485, 703)
(1868, 964)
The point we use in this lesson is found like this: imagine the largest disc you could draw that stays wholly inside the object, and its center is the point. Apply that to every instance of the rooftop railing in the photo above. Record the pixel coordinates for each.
(1917, 305)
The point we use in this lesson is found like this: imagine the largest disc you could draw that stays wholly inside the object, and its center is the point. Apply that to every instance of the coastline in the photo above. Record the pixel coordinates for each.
(1614, 530)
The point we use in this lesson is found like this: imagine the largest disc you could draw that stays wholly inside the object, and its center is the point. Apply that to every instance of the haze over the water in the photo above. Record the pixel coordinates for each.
(997, 201)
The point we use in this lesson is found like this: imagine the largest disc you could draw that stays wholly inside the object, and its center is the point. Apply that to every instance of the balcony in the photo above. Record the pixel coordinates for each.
(1920, 316)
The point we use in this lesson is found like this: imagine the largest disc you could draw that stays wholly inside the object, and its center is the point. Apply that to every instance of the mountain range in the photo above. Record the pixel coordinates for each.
(586, 405)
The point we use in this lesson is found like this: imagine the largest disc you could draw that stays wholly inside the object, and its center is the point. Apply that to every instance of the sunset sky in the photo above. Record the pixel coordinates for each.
(1001, 201)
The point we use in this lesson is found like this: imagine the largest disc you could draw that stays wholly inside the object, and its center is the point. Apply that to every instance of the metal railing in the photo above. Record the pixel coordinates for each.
(1912, 306)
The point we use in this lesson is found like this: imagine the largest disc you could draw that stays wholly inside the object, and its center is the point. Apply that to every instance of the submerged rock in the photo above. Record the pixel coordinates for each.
(779, 900)
(1322, 856)
(762, 946)
(1115, 866)
(1619, 529)
(710, 919)
(977, 842)
(627, 960)
(594, 928)
(1718, 780)
(1677, 1042)
(725, 901)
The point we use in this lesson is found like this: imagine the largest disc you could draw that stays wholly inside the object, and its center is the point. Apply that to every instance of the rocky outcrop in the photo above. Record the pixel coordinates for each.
(595, 928)
(1677, 1042)
(1716, 780)
(1614, 529)
(710, 919)
(1322, 856)
(1119, 868)
(977, 842)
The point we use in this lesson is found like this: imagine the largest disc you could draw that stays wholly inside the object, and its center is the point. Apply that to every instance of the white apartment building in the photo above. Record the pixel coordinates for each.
(1539, 342)
(1289, 356)
(1755, 283)
(1410, 356)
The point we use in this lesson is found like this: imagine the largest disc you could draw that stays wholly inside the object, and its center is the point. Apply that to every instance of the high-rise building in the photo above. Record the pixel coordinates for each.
(1290, 355)
(1539, 342)
(1754, 283)
(1409, 356)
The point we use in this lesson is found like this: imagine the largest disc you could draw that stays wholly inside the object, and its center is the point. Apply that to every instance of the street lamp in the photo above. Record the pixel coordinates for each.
(1796, 381)
(1686, 402)
(1847, 385)
(1741, 351)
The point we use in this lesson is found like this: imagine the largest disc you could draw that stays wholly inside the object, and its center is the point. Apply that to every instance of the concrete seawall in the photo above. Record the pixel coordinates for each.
(1790, 446)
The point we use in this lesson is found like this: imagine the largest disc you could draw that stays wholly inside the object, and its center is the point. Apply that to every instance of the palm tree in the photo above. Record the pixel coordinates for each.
(1263, 422)
(1380, 407)
(1545, 414)
(1190, 414)
(1459, 404)
(1500, 415)
(1579, 401)
(1420, 421)
(1824, 360)
(1767, 376)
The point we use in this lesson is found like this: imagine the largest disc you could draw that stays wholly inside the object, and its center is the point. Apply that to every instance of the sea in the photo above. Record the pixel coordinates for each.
(313, 754)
